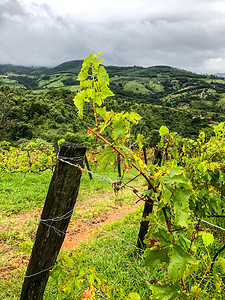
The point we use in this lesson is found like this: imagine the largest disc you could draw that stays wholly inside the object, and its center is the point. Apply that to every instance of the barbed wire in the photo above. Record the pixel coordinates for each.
(70, 213)
(84, 170)
(57, 219)
(114, 183)
(105, 231)
(71, 158)
(38, 273)
(134, 190)
(58, 231)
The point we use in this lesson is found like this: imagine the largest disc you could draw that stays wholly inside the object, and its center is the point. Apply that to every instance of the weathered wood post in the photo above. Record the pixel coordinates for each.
(119, 165)
(148, 208)
(145, 155)
(88, 167)
(56, 146)
(55, 217)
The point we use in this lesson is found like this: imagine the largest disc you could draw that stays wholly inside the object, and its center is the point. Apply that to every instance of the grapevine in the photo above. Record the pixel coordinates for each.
(31, 158)
(188, 183)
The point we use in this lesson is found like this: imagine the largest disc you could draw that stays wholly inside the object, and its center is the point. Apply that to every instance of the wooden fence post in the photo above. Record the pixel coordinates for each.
(148, 208)
(59, 203)
(88, 167)
(56, 146)
(145, 155)
(119, 165)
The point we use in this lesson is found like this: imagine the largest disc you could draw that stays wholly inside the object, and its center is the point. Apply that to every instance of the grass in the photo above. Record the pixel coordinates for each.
(22, 198)
(136, 87)
(21, 201)
(119, 262)
(157, 87)
(23, 193)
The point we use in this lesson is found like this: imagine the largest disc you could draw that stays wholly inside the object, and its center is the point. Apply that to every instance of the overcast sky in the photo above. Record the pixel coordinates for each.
(187, 34)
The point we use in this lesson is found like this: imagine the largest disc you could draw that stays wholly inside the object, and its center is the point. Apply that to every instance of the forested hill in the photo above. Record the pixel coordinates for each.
(37, 102)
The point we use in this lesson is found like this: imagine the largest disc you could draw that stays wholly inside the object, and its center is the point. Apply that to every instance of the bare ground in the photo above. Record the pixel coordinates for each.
(11, 256)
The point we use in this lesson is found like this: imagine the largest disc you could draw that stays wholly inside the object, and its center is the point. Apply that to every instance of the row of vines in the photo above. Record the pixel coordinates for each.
(187, 186)
(184, 187)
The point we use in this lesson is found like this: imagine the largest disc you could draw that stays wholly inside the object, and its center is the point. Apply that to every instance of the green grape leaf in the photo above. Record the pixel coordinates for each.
(178, 260)
(83, 76)
(163, 236)
(155, 256)
(97, 99)
(79, 102)
(68, 261)
(168, 292)
(106, 115)
(134, 296)
(139, 141)
(133, 117)
(107, 156)
(181, 206)
(163, 131)
(102, 75)
(166, 194)
(194, 290)
(105, 90)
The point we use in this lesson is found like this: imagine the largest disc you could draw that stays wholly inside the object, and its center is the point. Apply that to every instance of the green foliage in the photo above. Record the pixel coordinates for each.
(94, 82)
(29, 158)
(181, 185)
(77, 280)
(168, 292)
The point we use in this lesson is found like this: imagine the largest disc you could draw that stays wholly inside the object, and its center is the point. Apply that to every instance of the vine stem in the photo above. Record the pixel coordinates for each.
(202, 280)
(141, 172)
(168, 222)
(184, 284)
(121, 153)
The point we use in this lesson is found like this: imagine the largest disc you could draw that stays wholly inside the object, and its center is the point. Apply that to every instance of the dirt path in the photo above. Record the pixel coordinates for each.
(11, 258)
(81, 231)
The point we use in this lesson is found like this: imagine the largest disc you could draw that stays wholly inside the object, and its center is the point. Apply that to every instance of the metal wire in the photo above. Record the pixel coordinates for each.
(116, 236)
(211, 224)
(83, 170)
(90, 248)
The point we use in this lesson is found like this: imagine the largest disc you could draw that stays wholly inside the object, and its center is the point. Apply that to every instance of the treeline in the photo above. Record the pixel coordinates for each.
(25, 115)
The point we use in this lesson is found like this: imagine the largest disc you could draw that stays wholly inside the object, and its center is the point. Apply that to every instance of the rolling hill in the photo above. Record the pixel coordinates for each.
(38, 101)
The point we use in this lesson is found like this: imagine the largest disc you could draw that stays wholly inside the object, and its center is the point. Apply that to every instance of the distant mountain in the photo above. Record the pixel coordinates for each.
(21, 70)
(220, 74)
(72, 66)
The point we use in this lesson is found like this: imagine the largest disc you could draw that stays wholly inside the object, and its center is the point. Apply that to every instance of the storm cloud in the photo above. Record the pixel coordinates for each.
(184, 34)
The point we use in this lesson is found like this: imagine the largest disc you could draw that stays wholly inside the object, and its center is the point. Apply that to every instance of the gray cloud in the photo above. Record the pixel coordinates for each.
(189, 36)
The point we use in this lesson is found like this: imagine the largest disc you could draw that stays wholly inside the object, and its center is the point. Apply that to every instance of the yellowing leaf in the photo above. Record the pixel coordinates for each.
(79, 102)
(163, 131)
(134, 296)
(207, 238)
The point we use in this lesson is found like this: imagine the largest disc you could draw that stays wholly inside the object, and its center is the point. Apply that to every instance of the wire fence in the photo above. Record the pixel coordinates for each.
(71, 213)
(51, 223)
(61, 233)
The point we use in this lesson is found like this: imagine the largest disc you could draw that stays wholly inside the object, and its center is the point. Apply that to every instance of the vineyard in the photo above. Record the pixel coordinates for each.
(173, 249)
